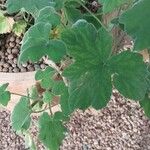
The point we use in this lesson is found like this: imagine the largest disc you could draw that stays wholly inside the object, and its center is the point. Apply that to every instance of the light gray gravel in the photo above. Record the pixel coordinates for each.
(8, 139)
(120, 126)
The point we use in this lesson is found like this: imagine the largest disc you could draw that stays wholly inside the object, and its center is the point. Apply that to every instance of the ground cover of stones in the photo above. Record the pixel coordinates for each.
(122, 125)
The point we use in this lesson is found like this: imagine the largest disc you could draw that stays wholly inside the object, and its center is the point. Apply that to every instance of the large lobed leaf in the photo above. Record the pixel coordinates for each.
(93, 70)
(136, 25)
(48, 15)
(111, 5)
(31, 6)
(51, 131)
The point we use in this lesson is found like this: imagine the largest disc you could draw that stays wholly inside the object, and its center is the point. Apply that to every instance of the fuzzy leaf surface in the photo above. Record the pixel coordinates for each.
(93, 70)
(51, 131)
(129, 74)
(90, 78)
(20, 117)
(60, 89)
(45, 77)
(145, 104)
(4, 95)
(19, 27)
(111, 5)
(31, 6)
(48, 15)
(37, 43)
(136, 25)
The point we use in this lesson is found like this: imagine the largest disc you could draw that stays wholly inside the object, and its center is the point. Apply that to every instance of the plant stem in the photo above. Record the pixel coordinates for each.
(50, 109)
(92, 15)
(34, 103)
(54, 66)
(21, 95)
(45, 108)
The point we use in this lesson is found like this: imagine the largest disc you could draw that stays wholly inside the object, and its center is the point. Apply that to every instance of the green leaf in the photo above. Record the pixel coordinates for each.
(59, 4)
(4, 95)
(45, 77)
(89, 76)
(20, 117)
(129, 74)
(94, 68)
(47, 96)
(31, 6)
(136, 25)
(111, 5)
(5, 23)
(52, 131)
(72, 12)
(36, 44)
(48, 15)
(145, 104)
(34, 92)
(60, 89)
(19, 27)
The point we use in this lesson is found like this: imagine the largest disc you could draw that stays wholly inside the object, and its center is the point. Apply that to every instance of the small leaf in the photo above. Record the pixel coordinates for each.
(36, 44)
(4, 95)
(145, 104)
(60, 89)
(21, 115)
(19, 27)
(136, 25)
(34, 92)
(47, 96)
(6, 23)
(48, 15)
(51, 131)
(45, 77)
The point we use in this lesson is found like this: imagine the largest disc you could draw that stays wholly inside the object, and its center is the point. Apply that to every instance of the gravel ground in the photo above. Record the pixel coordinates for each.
(9, 53)
(121, 125)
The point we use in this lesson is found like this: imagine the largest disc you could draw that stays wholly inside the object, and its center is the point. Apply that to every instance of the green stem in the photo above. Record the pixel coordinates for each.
(92, 15)
(34, 103)
(50, 109)
(21, 95)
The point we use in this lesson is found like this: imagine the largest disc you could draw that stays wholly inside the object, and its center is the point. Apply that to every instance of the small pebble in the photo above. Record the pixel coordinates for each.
(23, 69)
(30, 68)
(9, 51)
(12, 39)
(15, 51)
(25, 64)
(16, 70)
(5, 69)
(6, 65)
(12, 44)
(18, 40)
(10, 56)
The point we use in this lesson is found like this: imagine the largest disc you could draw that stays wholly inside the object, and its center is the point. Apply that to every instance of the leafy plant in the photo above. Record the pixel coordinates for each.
(82, 67)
